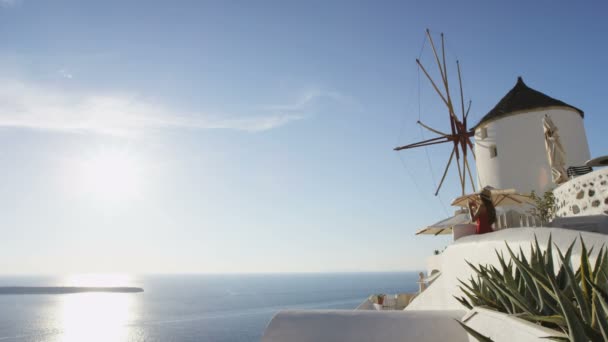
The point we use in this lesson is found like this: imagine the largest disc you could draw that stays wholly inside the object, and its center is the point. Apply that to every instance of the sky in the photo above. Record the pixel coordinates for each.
(255, 136)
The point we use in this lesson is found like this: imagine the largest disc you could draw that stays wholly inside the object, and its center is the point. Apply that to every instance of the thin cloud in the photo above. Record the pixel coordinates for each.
(8, 3)
(65, 73)
(312, 96)
(33, 106)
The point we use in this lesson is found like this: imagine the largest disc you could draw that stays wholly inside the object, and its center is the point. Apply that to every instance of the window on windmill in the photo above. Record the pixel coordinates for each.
(483, 133)
(493, 151)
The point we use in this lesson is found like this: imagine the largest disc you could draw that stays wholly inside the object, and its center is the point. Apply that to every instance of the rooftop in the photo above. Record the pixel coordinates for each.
(520, 99)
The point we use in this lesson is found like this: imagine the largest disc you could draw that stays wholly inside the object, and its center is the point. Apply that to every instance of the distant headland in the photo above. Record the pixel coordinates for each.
(27, 290)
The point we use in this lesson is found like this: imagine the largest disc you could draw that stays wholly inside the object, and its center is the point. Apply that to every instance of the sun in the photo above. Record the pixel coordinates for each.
(111, 175)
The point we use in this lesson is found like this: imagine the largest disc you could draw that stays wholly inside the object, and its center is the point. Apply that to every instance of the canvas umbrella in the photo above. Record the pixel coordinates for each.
(555, 152)
(445, 226)
(499, 197)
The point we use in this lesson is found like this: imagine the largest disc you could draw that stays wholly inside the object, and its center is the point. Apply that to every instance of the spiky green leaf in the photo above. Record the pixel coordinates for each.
(474, 333)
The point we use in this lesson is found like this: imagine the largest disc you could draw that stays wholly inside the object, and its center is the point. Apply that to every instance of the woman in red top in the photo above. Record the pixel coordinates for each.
(484, 214)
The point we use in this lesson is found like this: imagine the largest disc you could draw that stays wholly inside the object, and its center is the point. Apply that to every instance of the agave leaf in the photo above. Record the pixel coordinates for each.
(469, 287)
(477, 270)
(530, 275)
(576, 331)
(578, 272)
(479, 298)
(514, 297)
(521, 254)
(553, 319)
(598, 263)
(601, 317)
(530, 289)
(475, 283)
(548, 260)
(518, 303)
(464, 302)
(474, 333)
(580, 297)
(587, 289)
(585, 271)
(602, 296)
(506, 304)
(557, 338)
(600, 276)
(473, 298)
(538, 252)
(597, 278)
(501, 260)
(561, 275)
(476, 292)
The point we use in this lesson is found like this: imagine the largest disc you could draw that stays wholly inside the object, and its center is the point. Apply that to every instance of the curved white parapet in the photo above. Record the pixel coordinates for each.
(355, 326)
(462, 230)
(397, 301)
(501, 327)
(433, 263)
(480, 249)
(366, 305)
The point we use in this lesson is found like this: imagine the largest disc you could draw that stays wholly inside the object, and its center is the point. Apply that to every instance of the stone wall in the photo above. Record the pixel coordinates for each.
(584, 195)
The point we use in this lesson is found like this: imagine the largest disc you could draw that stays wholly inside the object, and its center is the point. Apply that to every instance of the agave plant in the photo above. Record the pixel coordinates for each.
(573, 302)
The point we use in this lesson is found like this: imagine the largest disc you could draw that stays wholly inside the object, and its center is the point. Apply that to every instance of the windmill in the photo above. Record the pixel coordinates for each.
(460, 135)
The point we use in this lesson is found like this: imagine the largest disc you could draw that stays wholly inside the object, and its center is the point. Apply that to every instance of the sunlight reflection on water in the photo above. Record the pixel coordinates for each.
(95, 317)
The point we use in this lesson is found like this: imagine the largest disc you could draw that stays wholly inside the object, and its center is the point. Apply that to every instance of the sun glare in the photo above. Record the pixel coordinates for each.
(99, 279)
(110, 175)
(96, 316)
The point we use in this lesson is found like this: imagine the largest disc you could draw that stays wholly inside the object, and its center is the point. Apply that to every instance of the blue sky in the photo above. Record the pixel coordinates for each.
(225, 136)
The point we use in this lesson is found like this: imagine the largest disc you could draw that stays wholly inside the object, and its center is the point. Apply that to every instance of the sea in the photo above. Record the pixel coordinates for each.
(180, 308)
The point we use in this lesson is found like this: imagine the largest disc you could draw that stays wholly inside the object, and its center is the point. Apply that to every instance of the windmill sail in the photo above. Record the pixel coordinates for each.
(460, 136)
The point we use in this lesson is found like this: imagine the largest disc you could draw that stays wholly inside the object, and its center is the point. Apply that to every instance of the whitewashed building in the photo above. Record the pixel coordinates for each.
(510, 154)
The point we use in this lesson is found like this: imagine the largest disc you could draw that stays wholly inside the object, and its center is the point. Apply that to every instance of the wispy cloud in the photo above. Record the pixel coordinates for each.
(65, 73)
(8, 3)
(311, 96)
(43, 107)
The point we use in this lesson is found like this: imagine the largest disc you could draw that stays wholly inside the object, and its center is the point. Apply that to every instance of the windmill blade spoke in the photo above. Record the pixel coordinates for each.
(461, 92)
(470, 174)
(445, 81)
(428, 34)
(443, 72)
(470, 144)
(432, 82)
(468, 109)
(460, 173)
(445, 68)
(464, 171)
(460, 136)
(433, 141)
(432, 129)
(445, 172)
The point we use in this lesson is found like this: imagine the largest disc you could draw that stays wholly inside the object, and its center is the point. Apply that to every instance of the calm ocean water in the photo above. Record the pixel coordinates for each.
(182, 308)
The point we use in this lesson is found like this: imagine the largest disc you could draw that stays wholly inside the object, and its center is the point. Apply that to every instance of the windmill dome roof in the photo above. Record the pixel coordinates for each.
(521, 99)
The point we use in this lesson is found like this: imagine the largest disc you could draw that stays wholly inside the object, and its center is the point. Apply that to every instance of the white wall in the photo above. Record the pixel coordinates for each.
(365, 326)
(521, 162)
(506, 328)
(480, 249)
(583, 195)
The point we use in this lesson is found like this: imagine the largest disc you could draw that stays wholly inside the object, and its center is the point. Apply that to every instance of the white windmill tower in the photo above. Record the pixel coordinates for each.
(509, 141)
